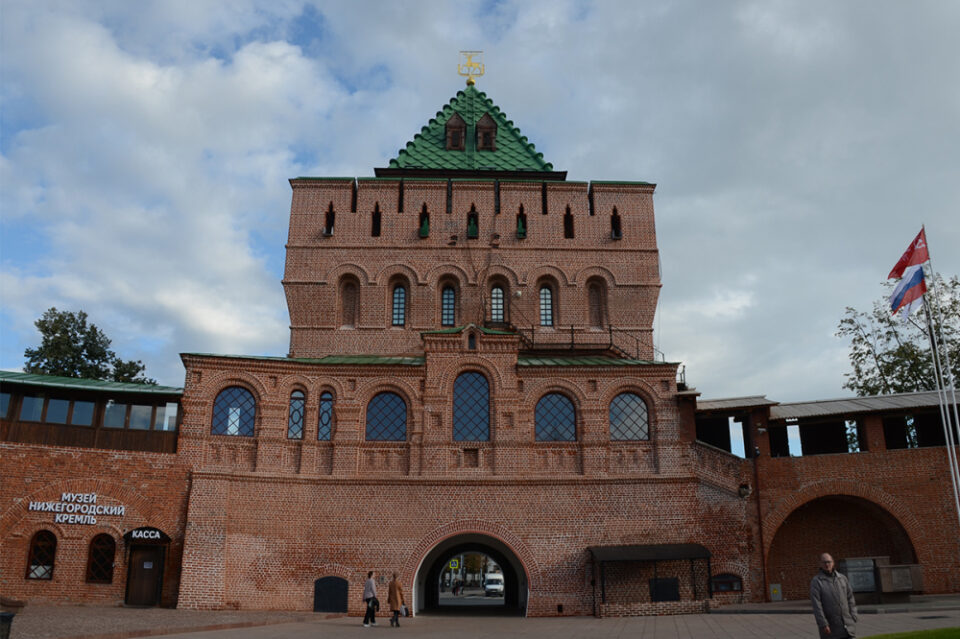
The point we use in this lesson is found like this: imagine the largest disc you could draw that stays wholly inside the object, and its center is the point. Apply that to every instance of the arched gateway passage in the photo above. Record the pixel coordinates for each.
(431, 578)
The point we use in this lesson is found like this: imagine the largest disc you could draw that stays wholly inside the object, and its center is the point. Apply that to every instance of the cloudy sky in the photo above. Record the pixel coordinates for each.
(797, 147)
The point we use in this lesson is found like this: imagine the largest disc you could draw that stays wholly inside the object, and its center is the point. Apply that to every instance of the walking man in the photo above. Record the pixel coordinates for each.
(370, 598)
(833, 604)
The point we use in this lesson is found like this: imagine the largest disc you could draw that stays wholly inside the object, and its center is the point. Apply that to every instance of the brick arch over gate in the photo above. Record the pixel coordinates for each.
(838, 488)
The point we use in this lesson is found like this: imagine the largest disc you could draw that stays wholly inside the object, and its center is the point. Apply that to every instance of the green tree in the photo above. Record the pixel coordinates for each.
(889, 355)
(73, 348)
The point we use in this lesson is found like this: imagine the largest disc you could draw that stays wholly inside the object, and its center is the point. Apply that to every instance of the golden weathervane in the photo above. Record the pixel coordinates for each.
(471, 65)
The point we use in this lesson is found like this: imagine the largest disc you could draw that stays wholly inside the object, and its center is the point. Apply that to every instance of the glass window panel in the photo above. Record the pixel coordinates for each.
(555, 419)
(399, 306)
(295, 415)
(387, 418)
(31, 408)
(496, 304)
(448, 306)
(546, 306)
(82, 413)
(325, 425)
(43, 552)
(114, 415)
(100, 559)
(57, 411)
(471, 408)
(4, 404)
(234, 412)
(166, 417)
(629, 419)
(140, 417)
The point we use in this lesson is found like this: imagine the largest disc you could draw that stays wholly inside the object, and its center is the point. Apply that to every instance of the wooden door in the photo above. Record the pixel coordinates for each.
(145, 575)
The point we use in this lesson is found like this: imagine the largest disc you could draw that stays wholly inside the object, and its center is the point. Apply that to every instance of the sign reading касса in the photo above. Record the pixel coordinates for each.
(76, 508)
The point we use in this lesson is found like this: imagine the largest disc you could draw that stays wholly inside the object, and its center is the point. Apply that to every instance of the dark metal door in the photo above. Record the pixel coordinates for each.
(330, 595)
(145, 575)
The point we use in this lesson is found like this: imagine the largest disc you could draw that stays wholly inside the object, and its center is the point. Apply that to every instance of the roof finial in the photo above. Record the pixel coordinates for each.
(469, 66)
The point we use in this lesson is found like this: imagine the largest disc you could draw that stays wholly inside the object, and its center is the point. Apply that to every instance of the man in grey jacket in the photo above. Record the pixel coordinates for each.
(833, 603)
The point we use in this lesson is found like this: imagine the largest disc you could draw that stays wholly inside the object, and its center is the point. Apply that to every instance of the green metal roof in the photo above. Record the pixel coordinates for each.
(528, 360)
(53, 381)
(459, 329)
(428, 150)
(329, 360)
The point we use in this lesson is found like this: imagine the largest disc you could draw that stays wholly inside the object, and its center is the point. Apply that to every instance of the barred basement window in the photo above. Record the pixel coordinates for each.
(325, 423)
(43, 553)
(448, 306)
(471, 408)
(496, 304)
(629, 418)
(100, 559)
(546, 306)
(234, 412)
(555, 419)
(298, 403)
(399, 305)
(387, 418)
(726, 583)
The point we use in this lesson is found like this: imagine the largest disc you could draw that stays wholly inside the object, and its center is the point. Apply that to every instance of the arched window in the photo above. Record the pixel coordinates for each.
(596, 303)
(399, 305)
(100, 559)
(424, 222)
(546, 305)
(496, 304)
(349, 303)
(234, 412)
(521, 224)
(325, 422)
(629, 418)
(43, 553)
(555, 419)
(298, 403)
(448, 306)
(568, 224)
(473, 223)
(471, 408)
(387, 418)
(375, 221)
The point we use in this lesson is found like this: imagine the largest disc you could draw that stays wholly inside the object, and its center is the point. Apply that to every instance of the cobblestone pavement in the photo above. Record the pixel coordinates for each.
(89, 622)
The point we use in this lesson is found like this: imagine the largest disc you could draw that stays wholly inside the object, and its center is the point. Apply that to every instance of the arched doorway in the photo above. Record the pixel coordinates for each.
(434, 574)
(842, 525)
(330, 594)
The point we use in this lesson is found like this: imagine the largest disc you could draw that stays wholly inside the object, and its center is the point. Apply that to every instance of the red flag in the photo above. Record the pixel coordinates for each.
(916, 254)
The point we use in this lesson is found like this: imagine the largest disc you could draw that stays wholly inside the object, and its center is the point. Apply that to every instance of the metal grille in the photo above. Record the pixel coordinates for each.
(387, 418)
(496, 304)
(233, 412)
(546, 306)
(325, 425)
(471, 408)
(295, 422)
(399, 305)
(629, 419)
(556, 419)
(448, 306)
(100, 560)
(43, 552)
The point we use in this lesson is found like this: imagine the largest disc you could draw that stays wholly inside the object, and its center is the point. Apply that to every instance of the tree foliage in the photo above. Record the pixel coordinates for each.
(71, 347)
(889, 355)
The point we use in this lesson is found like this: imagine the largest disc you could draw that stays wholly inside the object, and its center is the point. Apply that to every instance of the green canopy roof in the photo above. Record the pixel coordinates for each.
(427, 149)
(73, 383)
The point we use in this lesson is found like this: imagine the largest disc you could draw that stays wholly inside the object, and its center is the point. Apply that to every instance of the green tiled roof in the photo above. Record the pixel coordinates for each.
(329, 360)
(53, 381)
(427, 149)
(582, 361)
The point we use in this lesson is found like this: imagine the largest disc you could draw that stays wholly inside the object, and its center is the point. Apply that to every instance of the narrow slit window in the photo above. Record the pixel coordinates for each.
(496, 304)
(546, 306)
(568, 224)
(325, 422)
(328, 221)
(448, 306)
(616, 231)
(375, 220)
(399, 305)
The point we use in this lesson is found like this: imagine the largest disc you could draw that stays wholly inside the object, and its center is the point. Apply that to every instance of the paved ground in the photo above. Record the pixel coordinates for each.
(779, 621)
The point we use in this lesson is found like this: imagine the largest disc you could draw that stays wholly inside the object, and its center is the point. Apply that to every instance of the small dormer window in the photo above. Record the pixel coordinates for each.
(486, 133)
(456, 133)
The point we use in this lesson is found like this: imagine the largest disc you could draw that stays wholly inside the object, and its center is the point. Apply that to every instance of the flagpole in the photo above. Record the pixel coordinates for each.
(945, 392)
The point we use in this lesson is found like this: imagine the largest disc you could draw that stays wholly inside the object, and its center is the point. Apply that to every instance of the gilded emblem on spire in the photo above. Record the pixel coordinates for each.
(471, 65)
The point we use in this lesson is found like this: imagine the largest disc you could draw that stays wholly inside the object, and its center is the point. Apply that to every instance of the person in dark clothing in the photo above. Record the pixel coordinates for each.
(833, 604)
(370, 598)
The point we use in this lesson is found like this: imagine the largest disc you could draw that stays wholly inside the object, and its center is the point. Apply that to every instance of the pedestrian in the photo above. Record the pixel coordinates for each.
(395, 600)
(833, 604)
(370, 599)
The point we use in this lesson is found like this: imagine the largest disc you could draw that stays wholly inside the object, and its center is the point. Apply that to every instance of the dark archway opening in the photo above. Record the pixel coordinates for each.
(330, 594)
(435, 579)
(842, 525)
